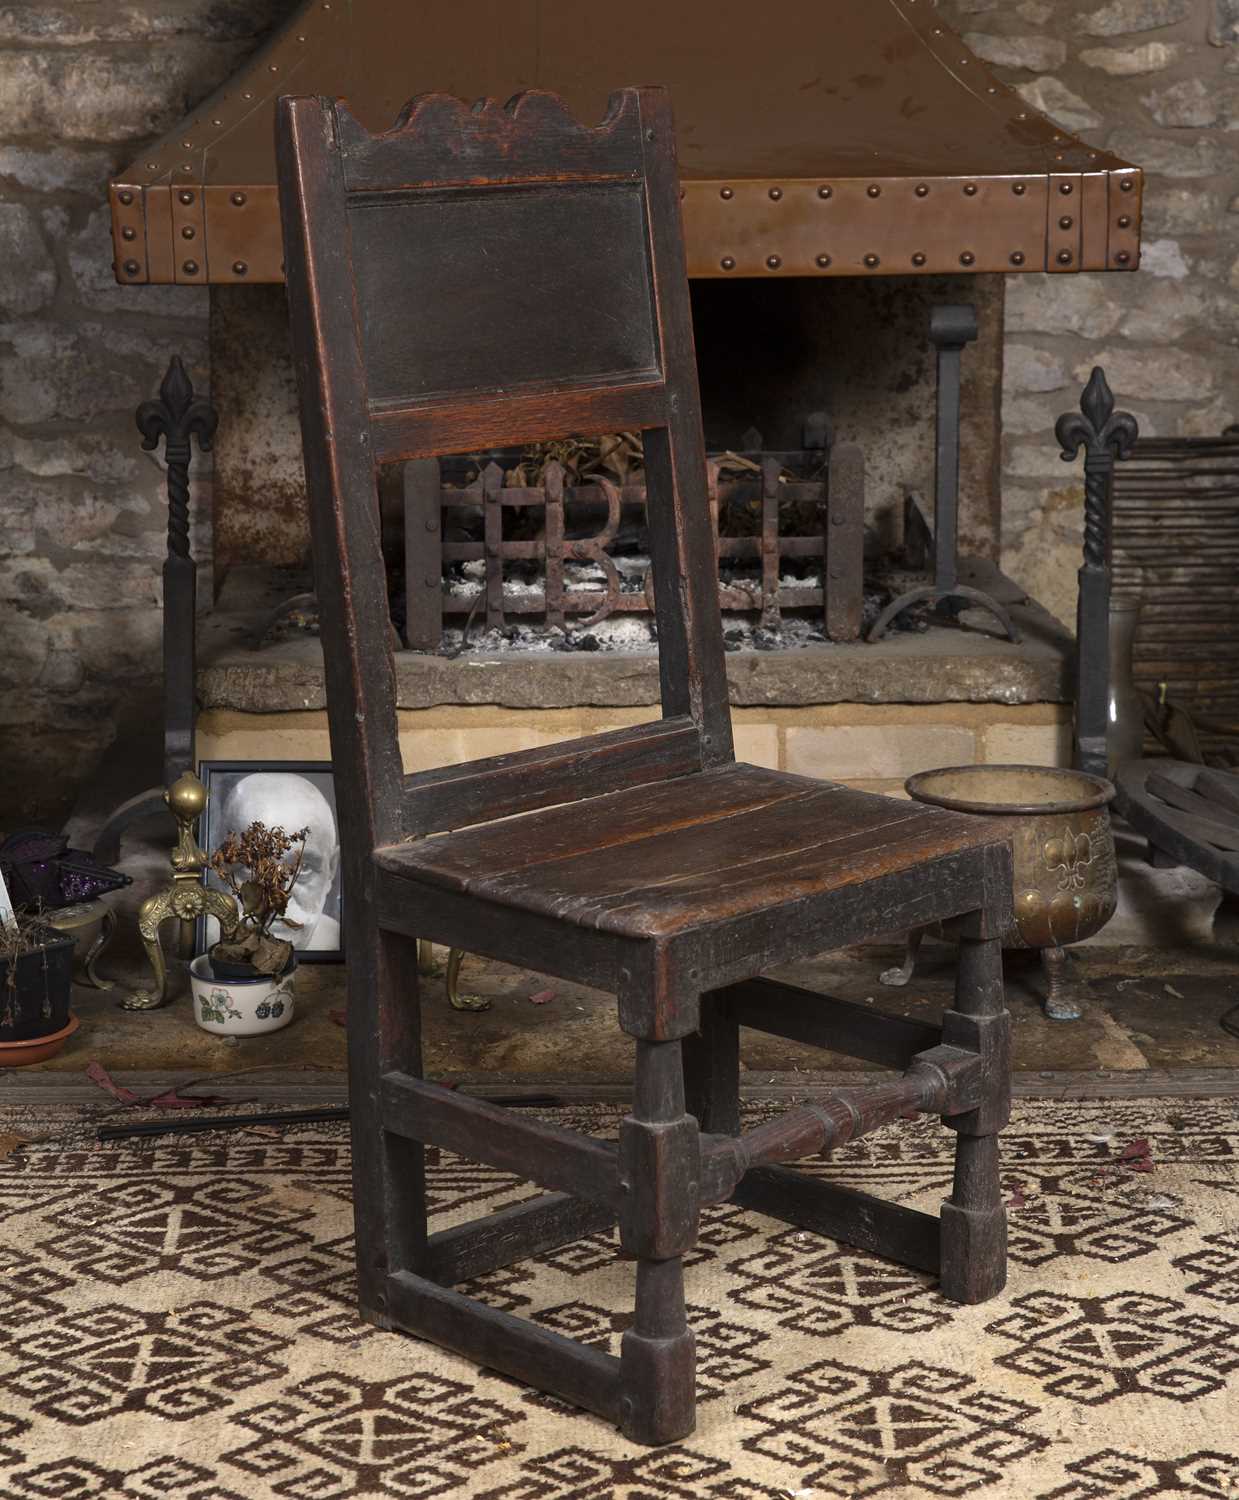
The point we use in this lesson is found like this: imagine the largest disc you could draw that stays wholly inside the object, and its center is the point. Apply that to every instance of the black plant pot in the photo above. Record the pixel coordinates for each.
(37, 1003)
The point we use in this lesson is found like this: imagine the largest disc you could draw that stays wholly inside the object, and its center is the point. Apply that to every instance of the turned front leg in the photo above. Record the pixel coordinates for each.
(659, 1169)
(974, 1222)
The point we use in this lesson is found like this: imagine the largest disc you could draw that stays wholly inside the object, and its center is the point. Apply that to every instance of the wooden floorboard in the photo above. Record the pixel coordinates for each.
(297, 1087)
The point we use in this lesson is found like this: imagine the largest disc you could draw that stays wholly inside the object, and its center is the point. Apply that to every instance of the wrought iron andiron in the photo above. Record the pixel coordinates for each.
(177, 416)
(950, 328)
(1105, 435)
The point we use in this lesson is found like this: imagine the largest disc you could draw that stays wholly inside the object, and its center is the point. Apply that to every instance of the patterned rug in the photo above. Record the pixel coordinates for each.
(176, 1321)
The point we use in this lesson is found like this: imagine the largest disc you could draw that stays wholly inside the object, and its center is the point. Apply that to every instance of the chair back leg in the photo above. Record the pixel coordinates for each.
(974, 1222)
(712, 1067)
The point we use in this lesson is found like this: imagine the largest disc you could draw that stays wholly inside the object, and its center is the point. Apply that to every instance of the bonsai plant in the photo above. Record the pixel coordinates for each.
(243, 984)
(260, 867)
(36, 975)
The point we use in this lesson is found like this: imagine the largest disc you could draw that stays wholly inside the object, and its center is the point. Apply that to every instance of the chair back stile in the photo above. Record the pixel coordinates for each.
(478, 277)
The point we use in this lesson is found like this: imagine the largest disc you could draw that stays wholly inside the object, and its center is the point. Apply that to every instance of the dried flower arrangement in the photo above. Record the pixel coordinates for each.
(260, 867)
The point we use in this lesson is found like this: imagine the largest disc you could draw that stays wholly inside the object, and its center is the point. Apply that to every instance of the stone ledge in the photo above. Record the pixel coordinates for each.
(937, 666)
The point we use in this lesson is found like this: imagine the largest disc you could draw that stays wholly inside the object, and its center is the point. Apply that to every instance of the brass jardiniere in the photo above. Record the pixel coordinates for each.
(1065, 885)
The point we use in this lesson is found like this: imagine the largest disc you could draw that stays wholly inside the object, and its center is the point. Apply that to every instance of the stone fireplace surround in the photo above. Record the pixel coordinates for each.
(769, 354)
(866, 715)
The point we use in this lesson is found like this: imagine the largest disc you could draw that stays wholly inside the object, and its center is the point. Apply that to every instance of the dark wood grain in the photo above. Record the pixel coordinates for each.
(712, 1066)
(581, 1375)
(512, 1234)
(480, 790)
(423, 555)
(481, 1131)
(683, 563)
(974, 1221)
(529, 416)
(350, 581)
(845, 1214)
(614, 819)
(803, 1015)
(571, 320)
(440, 140)
(710, 848)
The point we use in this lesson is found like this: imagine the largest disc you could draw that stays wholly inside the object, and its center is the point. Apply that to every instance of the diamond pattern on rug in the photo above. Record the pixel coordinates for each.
(81, 1479)
(207, 1229)
(1111, 1475)
(335, 1436)
(858, 1432)
(1096, 1349)
(84, 1367)
(815, 1288)
(177, 1318)
(1068, 1213)
(1216, 1268)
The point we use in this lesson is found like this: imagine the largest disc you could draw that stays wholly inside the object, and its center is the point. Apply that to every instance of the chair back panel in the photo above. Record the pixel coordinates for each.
(536, 317)
(476, 278)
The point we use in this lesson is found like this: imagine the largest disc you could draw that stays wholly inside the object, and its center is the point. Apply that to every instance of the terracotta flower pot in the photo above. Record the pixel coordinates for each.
(34, 995)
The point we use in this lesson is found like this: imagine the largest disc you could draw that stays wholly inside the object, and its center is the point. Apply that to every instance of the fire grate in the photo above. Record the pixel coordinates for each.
(815, 525)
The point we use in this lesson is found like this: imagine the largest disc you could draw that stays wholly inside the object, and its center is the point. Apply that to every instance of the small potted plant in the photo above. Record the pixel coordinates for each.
(243, 984)
(36, 976)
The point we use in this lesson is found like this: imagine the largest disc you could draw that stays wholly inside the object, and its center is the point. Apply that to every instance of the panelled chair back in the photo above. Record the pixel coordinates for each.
(484, 277)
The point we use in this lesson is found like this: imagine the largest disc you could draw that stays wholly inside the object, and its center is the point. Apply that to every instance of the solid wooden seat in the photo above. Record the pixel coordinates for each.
(477, 278)
(658, 861)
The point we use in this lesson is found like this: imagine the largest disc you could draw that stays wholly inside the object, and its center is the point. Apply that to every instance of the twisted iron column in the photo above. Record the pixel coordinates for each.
(176, 417)
(1105, 435)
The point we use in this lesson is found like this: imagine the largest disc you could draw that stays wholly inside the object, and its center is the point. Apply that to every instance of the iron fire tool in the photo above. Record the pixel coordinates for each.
(1105, 435)
(177, 417)
(950, 328)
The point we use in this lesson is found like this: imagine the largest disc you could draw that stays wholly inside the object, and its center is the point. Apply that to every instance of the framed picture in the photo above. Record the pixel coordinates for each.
(288, 794)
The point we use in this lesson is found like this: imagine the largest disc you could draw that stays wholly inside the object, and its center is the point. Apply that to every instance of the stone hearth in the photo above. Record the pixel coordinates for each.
(867, 715)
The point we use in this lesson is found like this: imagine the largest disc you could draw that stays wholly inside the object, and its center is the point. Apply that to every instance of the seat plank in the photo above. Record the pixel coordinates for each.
(504, 785)
(657, 861)
(602, 823)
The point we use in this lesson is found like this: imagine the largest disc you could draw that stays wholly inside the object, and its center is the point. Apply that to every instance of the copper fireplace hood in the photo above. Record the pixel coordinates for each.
(817, 137)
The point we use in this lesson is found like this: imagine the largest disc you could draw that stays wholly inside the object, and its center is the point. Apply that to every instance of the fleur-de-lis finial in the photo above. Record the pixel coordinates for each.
(1105, 435)
(177, 414)
(1097, 427)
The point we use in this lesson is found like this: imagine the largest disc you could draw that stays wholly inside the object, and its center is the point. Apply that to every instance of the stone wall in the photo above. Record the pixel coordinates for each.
(1157, 81)
(84, 84)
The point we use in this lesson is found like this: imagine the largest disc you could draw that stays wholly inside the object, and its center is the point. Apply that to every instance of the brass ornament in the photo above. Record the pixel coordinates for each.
(186, 898)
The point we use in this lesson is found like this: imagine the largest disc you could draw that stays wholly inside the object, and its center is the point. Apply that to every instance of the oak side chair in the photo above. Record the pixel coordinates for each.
(485, 276)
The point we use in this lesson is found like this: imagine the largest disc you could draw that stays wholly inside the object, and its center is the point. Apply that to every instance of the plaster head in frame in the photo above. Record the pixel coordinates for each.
(289, 800)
